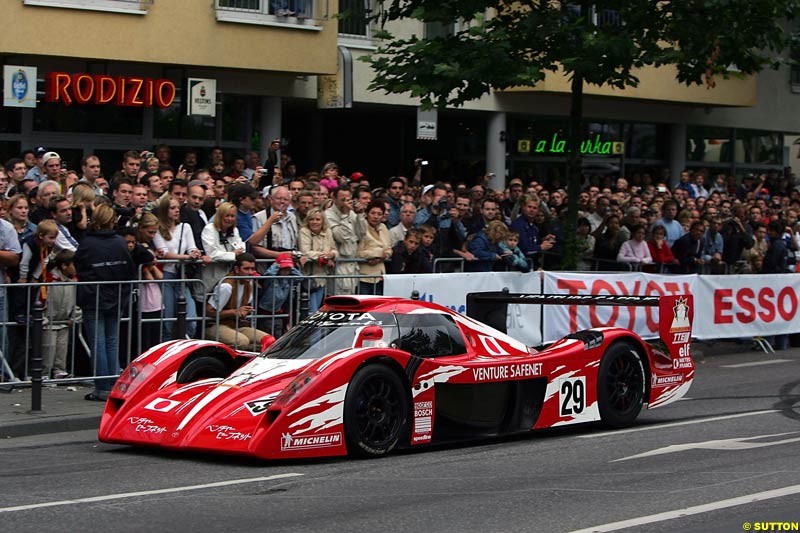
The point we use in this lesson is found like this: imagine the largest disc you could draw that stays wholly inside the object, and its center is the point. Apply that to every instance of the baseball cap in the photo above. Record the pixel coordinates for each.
(355, 176)
(40, 151)
(426, 189)
(284, 260)
(48, 156)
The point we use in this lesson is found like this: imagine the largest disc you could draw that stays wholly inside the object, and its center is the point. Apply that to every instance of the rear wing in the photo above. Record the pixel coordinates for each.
(676, 312)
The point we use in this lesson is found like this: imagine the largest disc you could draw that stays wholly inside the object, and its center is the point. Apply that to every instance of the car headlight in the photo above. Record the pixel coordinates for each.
(294, 388)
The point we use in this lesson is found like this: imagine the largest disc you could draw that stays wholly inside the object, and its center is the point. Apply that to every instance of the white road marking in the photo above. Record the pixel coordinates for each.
(676, 424)
(697, 509)
(740, 443)
(757, 363)
(123, 495)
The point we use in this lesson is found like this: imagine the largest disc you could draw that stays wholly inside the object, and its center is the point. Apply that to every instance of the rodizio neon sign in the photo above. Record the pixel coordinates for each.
(102, 90)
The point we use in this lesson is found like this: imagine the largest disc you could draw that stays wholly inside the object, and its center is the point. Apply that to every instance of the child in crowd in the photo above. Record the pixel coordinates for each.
(36, 252)
(61, 313)
(406, 254)
(426, 249)
(511, 254)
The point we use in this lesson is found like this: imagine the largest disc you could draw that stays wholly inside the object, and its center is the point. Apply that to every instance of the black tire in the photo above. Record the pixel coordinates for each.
(621, 385)
(375, 411)
(202, 367)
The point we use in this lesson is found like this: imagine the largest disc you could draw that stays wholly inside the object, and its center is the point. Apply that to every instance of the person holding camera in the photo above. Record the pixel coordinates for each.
(275, 228)
(121, 193)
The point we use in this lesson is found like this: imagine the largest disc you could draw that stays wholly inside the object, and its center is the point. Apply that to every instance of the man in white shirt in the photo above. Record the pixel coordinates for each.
(230, 305)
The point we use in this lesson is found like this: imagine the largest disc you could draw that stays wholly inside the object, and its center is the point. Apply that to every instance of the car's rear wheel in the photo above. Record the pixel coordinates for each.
(620, 385)
(375, 411)
(202, 367)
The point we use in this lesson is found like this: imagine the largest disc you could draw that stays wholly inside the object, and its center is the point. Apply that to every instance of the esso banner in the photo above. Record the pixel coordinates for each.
(747, 305)
(450, 290)
(560, 320)
(724, 306)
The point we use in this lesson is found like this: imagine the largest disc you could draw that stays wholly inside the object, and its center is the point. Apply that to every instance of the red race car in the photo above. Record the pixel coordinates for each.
(367, 374)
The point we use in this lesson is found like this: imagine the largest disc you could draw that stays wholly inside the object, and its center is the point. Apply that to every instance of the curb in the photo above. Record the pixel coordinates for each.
(49, 425)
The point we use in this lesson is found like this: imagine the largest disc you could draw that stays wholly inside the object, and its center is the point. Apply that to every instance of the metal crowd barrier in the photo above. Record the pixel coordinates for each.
(135, 331)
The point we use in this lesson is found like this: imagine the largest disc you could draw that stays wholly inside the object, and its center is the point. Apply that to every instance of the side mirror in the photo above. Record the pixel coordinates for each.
(267, 341)
(367, 333)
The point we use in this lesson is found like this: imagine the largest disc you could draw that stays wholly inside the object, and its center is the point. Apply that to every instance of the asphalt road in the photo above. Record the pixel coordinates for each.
(725, 456)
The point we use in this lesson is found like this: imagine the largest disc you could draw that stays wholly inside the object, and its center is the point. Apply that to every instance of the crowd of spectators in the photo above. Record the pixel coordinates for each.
(332, 222)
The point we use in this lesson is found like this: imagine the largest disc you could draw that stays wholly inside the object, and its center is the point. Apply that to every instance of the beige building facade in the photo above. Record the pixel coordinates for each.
(290, 69)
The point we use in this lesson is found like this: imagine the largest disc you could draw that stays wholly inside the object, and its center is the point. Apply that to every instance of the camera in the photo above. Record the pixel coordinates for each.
(124, 211)
(424, 162)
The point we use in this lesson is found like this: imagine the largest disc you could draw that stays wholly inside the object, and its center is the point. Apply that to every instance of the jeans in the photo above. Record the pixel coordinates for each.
(169, 296)
(102, 329)
(315, 299)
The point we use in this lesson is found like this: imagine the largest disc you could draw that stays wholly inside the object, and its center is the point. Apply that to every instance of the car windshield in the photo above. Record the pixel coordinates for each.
(326, 332)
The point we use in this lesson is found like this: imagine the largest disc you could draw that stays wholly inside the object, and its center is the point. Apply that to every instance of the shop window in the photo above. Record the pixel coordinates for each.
(235, 112)
(9, 149)
(133, 7)
(173, 123)
(708, 144)
(292, 13)
(57, 117)
(761, 147)
(353, 21)
(645, 141)
(10, 119)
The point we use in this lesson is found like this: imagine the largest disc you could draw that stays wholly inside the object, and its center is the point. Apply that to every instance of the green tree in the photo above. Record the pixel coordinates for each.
(509, 44)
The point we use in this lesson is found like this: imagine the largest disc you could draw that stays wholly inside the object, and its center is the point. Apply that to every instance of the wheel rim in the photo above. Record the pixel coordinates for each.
(624, 383)
(378, 412)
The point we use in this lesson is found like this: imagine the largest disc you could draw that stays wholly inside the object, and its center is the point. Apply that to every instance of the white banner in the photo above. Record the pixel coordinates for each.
(747, 305)
(725, 306)
(561, 320)
(450, 290)
(19, 86)
(202, 97)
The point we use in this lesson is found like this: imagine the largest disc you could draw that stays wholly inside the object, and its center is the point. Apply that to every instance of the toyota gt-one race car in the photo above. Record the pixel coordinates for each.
(367, 374)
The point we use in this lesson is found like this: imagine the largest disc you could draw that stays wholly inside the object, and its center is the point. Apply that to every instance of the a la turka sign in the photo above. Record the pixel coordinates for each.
(557, 144)
(69, 89)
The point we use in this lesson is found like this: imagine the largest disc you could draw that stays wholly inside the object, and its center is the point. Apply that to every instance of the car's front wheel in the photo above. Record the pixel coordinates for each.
(620, 385)
(375, 411)
(202, 367)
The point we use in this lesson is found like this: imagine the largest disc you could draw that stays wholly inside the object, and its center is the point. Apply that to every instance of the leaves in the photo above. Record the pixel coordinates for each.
(603, 42)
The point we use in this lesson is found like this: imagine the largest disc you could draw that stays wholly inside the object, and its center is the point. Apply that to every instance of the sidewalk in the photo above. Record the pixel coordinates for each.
(65, 409)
